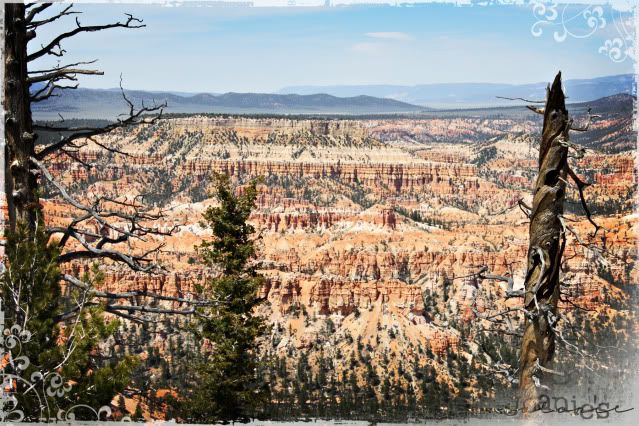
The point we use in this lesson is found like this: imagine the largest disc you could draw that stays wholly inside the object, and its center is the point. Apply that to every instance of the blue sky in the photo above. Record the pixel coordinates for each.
(258, 49)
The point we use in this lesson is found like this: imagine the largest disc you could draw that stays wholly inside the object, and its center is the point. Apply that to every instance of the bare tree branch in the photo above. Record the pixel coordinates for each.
(135, 294)
(41, 8)
(585, 128)
(47, 91)
(131, 22)
(134, 118)
(96, 247)
(139, 263)
(520, 99)
(63, 74)
(31, 24)
(133, 309)
(75, 64)
(580, 187)
(536, 110)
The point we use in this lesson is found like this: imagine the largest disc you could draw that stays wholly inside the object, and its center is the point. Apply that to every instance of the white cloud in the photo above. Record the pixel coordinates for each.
(367, 47)
(383, 40)
(390, 36)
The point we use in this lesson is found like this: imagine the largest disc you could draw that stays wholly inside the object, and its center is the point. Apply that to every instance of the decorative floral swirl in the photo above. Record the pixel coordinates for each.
(14, 337)
(102, 413)
(546, 14)
(9, 411)
(57, 387)
(582, 21)
(52, 385)
(615, 49)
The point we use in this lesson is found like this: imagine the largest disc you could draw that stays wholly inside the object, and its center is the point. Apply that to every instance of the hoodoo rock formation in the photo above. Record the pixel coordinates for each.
(374, 225)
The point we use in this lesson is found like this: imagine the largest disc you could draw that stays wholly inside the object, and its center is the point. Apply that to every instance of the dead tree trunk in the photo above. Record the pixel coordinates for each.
(20, 182)
(545, 250)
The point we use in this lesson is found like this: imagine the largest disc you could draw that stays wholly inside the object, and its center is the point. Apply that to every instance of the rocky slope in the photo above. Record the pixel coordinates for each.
(371, 228)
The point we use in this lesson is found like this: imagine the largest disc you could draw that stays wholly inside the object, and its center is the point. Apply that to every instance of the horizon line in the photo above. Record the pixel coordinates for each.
(277, 91)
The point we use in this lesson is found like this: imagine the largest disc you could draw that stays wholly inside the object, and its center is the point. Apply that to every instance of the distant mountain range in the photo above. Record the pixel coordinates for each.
(350, 100)
(108, 103)
(467, 95)
(615, 104)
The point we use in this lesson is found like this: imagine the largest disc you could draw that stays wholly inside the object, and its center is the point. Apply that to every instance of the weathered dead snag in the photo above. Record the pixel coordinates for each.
(20, 182)
(122, 221)
(545, 250)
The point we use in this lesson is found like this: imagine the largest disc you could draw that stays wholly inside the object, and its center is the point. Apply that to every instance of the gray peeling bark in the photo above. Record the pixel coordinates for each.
(547, 242)
(20, 182)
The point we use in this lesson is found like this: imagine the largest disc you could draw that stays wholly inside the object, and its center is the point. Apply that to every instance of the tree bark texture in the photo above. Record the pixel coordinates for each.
(20, 182)
(545, 250)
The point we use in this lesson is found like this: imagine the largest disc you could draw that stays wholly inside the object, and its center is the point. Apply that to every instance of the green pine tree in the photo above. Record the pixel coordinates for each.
(122, 407)
(226, 386)
(138, 416)
(61, 348)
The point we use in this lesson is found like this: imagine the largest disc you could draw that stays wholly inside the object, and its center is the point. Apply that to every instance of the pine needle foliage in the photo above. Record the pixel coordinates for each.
(64, 352)
(227, 387)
